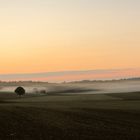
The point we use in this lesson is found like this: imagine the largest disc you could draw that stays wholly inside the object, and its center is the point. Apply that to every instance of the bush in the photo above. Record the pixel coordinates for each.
(43, 91)
(20, 91)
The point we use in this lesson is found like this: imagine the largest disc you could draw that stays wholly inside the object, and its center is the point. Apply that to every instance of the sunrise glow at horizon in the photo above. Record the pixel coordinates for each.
(59, 35)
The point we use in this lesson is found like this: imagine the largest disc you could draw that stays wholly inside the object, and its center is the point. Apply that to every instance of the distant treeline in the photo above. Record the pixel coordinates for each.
(113, 80)
(28, 83)
(21, 83)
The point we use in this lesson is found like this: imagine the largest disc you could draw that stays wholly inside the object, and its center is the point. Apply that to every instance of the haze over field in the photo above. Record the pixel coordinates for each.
(83, 87)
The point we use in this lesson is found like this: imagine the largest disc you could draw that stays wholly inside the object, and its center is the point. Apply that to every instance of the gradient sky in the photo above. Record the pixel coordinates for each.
(59, 35)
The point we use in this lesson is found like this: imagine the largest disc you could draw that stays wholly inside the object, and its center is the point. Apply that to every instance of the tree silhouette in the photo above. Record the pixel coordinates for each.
(20, 91)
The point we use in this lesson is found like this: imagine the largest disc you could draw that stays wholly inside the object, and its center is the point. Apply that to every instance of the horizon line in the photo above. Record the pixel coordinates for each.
(66, 71)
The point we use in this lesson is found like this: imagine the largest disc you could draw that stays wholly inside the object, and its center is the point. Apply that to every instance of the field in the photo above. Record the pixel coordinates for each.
(70, 116)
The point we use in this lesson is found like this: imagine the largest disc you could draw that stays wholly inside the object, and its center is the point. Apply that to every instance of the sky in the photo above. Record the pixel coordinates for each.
(65, 35)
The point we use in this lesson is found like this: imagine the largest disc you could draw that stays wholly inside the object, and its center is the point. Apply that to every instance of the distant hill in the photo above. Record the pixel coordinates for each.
(29, 83)
(69, 76)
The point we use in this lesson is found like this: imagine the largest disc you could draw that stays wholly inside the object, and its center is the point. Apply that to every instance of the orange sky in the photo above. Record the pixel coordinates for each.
(42, 36)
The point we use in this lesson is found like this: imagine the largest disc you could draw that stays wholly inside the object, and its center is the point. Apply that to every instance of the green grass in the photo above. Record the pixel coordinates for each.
(71, 117)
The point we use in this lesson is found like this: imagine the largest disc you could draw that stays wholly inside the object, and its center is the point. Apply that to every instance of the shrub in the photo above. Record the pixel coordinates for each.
(43, 91)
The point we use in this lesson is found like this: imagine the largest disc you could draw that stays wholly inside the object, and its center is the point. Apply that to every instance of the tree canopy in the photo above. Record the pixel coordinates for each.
(20, 91)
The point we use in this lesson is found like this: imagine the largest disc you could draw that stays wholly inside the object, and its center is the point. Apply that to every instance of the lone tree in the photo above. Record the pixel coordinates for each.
(20, 91)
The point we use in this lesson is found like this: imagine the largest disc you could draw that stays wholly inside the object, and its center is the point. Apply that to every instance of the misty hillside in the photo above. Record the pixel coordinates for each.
(81, 87)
